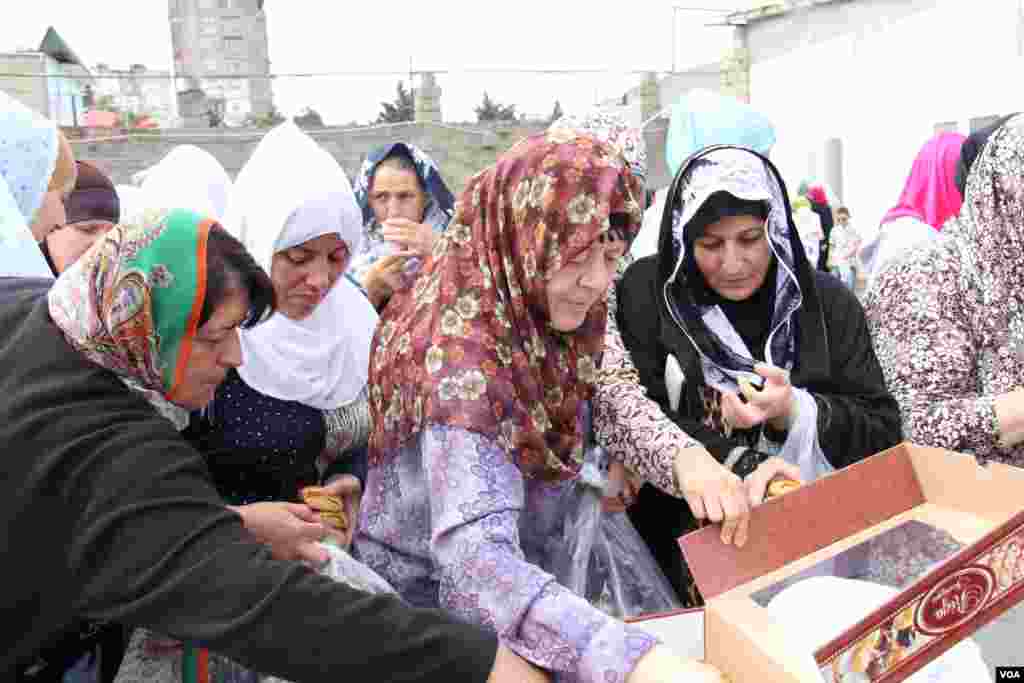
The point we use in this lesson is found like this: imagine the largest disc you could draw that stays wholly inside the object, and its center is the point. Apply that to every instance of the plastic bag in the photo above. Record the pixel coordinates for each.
(602, 557)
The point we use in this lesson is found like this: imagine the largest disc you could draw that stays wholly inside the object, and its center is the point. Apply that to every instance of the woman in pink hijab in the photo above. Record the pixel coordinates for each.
(930, 198)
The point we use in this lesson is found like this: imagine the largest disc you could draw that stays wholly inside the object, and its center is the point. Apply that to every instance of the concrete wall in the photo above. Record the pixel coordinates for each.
(880, 76)
(460, 152)
(32, 92)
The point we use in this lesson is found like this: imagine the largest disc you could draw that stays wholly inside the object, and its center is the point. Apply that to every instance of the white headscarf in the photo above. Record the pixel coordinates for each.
(28, 156)
(129, 198)
(292, 191)
(187, 178)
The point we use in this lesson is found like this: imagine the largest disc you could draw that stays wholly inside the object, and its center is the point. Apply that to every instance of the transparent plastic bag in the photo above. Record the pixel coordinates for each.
(601, 555)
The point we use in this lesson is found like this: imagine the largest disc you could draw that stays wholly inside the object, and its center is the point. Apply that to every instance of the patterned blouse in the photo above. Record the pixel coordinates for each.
(631, 427)
(948, 319)
(450, 521)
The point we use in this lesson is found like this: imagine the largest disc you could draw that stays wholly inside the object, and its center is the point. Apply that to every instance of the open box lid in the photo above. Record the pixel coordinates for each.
(954, 599)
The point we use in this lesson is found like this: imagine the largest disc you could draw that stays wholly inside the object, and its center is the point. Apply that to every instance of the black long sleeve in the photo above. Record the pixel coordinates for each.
(110, 514)
(857, 416)
(640, 326)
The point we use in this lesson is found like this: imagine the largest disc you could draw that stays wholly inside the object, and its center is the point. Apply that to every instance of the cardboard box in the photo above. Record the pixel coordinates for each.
(926, 501)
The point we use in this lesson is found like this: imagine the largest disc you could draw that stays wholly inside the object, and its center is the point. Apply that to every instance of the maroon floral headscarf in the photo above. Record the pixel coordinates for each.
(470, 344)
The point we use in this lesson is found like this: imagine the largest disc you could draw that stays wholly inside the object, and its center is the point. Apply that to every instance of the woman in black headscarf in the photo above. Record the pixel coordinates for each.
(748, 355)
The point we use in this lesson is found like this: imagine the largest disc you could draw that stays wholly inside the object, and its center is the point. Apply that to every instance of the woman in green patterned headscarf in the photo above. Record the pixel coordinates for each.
(135, 302)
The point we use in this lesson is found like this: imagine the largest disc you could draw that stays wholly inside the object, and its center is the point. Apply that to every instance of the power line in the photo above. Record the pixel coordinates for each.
(333, 74)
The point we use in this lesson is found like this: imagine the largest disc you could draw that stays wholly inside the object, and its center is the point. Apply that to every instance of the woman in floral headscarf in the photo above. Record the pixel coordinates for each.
(948, 319)
(481, 377)
(405, 205)
(629, 141)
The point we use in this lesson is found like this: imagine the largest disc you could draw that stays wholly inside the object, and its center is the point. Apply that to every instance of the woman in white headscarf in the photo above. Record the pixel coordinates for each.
(37, 169)
(187, 178)
(300, 392)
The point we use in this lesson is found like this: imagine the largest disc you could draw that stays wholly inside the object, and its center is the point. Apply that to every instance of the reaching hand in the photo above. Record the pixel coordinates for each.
(416, 237)
(291, 530)
(623, 487)
(713, 492)
(661, 665)
(384, 277)
(348, 489)
(774, 403)
(757, 482)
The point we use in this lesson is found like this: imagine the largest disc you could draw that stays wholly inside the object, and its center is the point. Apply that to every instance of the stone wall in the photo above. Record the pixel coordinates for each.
(459, 151)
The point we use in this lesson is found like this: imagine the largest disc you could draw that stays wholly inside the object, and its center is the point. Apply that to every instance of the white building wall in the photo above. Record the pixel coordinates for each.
(882, 77)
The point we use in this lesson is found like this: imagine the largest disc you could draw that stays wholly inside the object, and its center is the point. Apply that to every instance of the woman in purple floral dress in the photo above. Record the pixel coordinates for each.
(481, 377)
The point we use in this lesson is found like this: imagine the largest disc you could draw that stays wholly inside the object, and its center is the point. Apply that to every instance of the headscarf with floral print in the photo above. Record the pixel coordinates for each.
(990, 235)
(470, 345)
(612, 128)
(132, 303)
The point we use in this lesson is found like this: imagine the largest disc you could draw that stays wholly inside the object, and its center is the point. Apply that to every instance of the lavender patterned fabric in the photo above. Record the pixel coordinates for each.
(450, 521)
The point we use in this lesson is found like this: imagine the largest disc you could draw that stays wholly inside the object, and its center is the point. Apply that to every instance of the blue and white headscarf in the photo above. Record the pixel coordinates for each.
(743, 175)
(724, 356)
(28, 157)
(438, 211)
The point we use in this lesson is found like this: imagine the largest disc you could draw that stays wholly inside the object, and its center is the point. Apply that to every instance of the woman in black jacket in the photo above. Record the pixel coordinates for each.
(737, 343)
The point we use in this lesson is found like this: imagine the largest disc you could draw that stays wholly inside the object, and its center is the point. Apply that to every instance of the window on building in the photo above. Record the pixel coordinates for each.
(232, 26)
(983, 122)
(234, 45)
(207, 4)
(210, 65)
(235, 67)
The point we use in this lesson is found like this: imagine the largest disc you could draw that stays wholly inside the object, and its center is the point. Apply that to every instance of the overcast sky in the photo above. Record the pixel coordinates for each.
(352, 35)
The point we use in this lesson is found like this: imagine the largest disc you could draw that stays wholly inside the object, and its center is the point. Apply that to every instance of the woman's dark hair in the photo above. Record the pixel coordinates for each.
(399, 158)
(722, 205)
(230, 266)
(972, 149)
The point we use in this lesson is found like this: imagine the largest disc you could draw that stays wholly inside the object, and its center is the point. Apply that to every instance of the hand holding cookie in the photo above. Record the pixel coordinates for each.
(781, 486)
(785, 476)
(337, 504)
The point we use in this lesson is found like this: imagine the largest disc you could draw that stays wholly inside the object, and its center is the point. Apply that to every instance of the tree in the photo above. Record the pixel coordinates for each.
(489, 110)
(214, 116)
(308, 118)
(268, 120)
(402, 109)
(557, 113)
(106, 103)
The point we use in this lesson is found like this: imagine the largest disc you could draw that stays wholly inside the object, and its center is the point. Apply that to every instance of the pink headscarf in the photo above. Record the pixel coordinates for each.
(931, 194)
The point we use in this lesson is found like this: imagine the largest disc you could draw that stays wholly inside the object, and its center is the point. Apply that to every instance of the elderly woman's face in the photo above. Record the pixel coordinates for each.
(395, 193)
(733, 256)
(304, 274)
(582, 282)
(67, 245)
(215, 350)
